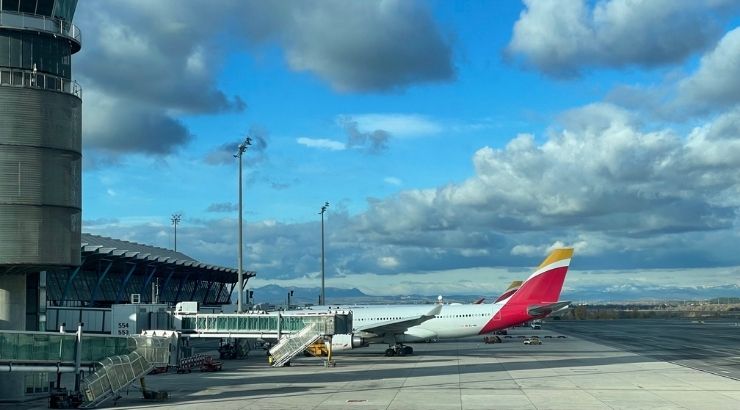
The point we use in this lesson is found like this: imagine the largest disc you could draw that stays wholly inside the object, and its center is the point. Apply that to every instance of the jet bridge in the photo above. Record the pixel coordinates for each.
(294, 331)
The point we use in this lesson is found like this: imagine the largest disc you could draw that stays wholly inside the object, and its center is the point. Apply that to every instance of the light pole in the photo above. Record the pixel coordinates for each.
(176, 218)
(323, 296)
(242, 148)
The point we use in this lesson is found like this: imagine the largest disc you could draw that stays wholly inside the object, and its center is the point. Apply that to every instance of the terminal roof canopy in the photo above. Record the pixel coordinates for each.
(114, 269)
(94, 244)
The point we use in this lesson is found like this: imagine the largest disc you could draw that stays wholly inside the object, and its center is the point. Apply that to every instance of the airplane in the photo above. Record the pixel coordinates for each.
(515, 285)
(398, 324)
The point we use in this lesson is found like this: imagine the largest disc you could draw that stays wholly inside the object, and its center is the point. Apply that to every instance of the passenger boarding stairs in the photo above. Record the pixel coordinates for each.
(117, 372)
(291, 345)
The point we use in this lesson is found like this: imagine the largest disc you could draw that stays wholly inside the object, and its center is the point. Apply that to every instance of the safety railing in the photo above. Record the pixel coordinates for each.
(41, 23)
(30, 79)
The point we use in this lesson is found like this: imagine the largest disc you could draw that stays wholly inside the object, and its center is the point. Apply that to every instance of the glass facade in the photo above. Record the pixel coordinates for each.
(117, 285)
(28, 50)
(64, 9)
(61, 9)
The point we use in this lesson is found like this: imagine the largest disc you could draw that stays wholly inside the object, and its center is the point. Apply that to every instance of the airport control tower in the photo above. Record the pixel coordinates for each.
(40, 152)
(40, 159)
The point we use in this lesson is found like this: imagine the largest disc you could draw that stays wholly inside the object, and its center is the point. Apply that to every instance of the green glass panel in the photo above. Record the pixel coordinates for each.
(67, 348)
(188, 323)
(222, 323)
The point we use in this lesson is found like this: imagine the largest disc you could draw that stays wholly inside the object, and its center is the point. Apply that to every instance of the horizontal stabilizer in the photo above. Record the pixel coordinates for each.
(546, 309)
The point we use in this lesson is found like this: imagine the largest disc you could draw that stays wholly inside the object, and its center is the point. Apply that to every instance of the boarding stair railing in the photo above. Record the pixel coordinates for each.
(290, 345)
(115, 373)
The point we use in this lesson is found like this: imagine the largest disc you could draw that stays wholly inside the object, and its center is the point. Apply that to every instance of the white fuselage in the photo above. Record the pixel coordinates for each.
(452, 321)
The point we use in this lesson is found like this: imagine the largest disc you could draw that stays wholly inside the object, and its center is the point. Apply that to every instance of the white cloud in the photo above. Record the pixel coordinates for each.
(398, 125)
(560, 38)
(130, 110)
(623, 196)
(388, 262)
(716, 146)
(393, 181)
(355, 45)
(716, 84)
(322, 143)
(528, 250)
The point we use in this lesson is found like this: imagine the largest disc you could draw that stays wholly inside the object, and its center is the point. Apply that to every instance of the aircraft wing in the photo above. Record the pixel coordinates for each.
(539, 310)
(399, 325)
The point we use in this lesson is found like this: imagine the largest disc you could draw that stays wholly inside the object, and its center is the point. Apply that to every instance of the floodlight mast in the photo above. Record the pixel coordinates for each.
(240, 276)
(176, 218)
(323, 209)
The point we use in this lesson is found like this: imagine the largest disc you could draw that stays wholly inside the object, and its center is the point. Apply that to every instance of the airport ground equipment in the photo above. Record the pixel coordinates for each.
(186, 364)
(291, 345)
(210, 365)
(322, 326)
(235, 349)
(204, 362)
(492, 339)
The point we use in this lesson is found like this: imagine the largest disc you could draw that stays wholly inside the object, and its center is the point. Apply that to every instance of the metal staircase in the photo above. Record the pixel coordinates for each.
(117, 372)
(291, 345)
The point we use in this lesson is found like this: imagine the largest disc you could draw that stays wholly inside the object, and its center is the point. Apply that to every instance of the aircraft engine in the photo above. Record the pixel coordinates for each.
(347, 342)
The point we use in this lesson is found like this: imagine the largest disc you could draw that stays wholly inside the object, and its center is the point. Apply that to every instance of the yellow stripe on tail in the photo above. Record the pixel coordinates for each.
(557, 255)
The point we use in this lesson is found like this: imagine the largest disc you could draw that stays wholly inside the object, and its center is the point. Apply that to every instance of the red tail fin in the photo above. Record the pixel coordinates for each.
(545, 284)
(537, 295)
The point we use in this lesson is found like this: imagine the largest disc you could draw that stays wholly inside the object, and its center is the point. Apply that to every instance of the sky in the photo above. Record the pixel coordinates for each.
(456, 142)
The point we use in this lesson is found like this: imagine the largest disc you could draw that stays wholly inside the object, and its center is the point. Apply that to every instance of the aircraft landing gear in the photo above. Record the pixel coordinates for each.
(399, 350)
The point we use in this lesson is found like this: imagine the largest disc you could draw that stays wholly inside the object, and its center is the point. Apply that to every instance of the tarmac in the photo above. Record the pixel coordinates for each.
(709, 345)
(562, 373)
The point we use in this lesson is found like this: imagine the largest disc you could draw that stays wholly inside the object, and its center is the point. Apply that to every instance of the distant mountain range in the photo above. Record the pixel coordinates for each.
(278, 295)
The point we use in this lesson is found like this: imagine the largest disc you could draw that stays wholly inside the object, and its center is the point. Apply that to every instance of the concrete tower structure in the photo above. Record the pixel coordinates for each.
(40, 157)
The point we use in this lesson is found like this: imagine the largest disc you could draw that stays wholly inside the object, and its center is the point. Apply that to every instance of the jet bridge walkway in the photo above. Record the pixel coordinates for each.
(265, 325)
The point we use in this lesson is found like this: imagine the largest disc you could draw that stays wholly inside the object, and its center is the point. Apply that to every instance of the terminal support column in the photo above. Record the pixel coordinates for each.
(12, 317)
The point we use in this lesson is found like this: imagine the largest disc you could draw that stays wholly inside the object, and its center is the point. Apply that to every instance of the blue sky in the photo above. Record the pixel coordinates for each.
(457, 142)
